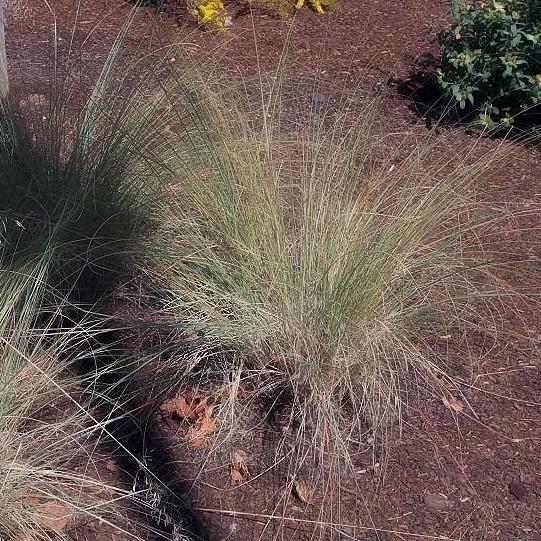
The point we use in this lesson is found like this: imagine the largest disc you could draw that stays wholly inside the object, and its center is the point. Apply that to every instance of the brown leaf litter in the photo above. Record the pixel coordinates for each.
(302, 491)
(194, 411)
(454, 404)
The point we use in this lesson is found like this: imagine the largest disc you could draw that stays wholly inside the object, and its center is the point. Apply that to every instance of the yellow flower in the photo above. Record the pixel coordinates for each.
(498, 6)
(466, 58)
(538, 79)
(210, 13)
(316, 5)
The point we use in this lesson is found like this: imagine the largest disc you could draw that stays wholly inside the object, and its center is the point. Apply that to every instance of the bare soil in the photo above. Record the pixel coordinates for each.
(471, 475)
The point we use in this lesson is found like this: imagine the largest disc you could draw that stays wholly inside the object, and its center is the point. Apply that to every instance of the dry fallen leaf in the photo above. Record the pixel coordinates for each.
(302, 491)
(198, 433)
(185, 407)
(238, 468)
(195, 414)
(454, 404)
(236, 476)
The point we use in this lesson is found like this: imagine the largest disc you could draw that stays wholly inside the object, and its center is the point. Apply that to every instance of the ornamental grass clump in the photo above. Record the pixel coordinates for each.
(306, 265)
(77, 181)
(49, 435)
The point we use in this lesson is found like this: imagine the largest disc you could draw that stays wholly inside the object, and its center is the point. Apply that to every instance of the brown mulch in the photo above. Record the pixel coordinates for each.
(471, 475)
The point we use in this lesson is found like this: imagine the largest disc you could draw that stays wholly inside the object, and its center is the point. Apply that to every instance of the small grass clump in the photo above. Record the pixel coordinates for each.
(49, 436)
(310, 265)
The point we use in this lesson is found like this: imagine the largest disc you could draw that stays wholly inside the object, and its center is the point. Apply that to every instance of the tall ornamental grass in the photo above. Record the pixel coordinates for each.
(302, 262)
(78, 178)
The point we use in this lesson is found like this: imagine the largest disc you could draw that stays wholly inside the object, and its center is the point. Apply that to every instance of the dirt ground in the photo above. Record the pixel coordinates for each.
(471, 475)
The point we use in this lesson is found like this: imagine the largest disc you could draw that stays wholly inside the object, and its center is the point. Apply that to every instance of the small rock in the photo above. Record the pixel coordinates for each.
(438, 502)
(318, 98)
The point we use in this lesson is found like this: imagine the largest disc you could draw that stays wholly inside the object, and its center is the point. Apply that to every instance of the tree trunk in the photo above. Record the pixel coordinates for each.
(4, 85)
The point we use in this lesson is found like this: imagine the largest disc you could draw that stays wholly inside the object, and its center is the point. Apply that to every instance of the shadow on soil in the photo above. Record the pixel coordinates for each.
(165, 510)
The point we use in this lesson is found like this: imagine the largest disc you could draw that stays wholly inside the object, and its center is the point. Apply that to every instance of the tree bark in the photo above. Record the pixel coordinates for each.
(4, 85)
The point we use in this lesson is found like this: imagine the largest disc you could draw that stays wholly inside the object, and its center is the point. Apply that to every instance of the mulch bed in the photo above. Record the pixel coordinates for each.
(474, 475)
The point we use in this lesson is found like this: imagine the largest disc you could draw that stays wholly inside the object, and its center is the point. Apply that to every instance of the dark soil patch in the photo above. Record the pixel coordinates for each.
(470, 458)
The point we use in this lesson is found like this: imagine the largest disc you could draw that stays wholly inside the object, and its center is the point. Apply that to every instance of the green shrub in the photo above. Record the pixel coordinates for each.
(491, 58)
